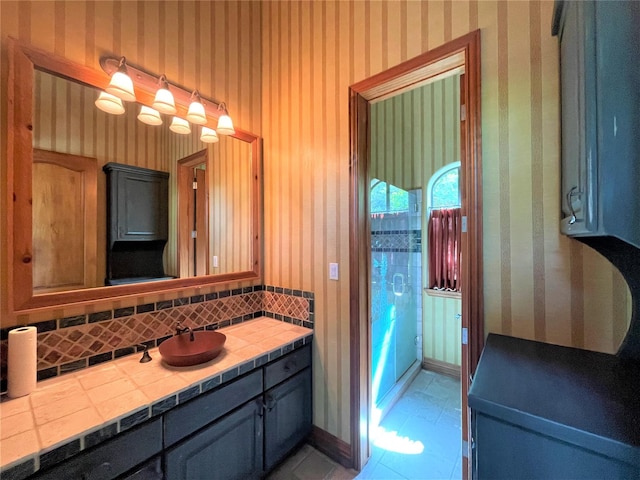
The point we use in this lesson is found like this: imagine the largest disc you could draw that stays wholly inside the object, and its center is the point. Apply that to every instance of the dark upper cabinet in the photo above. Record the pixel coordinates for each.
(137, 223)
(600, 80)
(137, 203)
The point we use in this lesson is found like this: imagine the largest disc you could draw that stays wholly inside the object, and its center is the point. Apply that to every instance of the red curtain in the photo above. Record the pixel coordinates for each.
(445, 228)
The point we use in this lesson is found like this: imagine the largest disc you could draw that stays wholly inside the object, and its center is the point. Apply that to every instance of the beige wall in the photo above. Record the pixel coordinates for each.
(412, 136)
(538, 284)
(211, 46)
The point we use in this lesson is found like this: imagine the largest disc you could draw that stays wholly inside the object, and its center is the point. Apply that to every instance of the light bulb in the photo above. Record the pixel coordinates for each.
(209, 135)
(149, 116)
(180, 125)
(196, 113)
(225, 125)
(164, 102)
(121, 86)
(109, 103)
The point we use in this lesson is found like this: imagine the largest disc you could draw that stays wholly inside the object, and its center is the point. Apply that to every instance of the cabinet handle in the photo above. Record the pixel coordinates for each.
(271, 402)
(290, 365)
(261, 408)
(574, 191)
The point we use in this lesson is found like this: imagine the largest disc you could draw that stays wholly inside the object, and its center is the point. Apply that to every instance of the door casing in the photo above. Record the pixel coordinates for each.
(461, 55)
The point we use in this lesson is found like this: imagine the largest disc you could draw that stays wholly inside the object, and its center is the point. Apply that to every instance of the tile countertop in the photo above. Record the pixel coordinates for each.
(65, 410)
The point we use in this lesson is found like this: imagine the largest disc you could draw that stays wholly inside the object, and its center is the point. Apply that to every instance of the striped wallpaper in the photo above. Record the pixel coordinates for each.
(211, 46)
(538, 284)
(412, 136)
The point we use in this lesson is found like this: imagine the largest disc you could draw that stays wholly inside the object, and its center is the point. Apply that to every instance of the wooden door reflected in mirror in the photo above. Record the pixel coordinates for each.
(64, 221)
(193, 213)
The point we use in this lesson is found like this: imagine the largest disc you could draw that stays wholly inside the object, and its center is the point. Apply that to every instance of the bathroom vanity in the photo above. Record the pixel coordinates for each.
(236, 416)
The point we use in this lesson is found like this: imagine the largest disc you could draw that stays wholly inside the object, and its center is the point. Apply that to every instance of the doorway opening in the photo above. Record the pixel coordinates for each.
(193, 246)
(459, 57)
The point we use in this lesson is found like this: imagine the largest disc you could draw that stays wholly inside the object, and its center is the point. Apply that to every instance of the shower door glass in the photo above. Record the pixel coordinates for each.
(395, 283)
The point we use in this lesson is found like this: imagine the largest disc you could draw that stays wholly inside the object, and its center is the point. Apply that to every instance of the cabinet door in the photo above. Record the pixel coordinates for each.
(288, 417)
(579, 152)
(505, 451)
(618, 93)
(228, 449)
(142, 206)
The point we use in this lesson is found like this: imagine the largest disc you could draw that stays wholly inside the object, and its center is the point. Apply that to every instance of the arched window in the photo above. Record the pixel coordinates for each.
(444, 228)
(443, 190)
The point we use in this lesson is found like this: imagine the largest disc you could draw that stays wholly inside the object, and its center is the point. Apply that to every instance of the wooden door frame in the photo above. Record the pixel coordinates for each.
(459, 55)
(185, 179)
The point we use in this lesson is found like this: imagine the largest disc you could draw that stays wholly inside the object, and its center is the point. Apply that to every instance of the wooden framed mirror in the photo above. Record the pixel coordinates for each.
(233, 223)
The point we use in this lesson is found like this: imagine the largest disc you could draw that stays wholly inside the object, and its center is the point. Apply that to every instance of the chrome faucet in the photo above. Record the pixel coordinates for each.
(180, 330)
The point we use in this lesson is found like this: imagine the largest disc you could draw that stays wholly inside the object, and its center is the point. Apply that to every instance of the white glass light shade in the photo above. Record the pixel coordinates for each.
(109, 103)
(149, 116)
(122, 87)
(180, 125)
(208, 135)
(196, 113)
(164, 102)
(225, 125)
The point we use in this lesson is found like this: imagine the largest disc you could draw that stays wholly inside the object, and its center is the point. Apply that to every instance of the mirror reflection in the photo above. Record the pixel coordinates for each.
(209, 199)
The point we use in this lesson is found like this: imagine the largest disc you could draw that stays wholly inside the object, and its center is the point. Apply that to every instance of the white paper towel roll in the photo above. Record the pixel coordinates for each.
(22, 361)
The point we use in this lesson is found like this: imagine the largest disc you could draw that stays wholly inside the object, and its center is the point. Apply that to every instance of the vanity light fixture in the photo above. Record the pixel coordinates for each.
(188, 104)
(121, 85)
(225, 124)
(109, 103)
(164, 102)
(149, 116)
(209, 135)
(196, 114)
(180, 125)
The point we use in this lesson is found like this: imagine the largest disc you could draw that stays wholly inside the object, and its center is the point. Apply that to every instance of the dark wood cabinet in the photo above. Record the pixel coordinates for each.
(137, 223)
(599, 71)
(239, 430)
(270, 415)
(186, 419)
(542, 411)
(137, 203)
(287, 419)
(229, 449)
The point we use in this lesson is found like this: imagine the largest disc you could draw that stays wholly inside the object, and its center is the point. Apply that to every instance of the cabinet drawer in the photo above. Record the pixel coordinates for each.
(112, 458)
(287, 366)
(202, 410)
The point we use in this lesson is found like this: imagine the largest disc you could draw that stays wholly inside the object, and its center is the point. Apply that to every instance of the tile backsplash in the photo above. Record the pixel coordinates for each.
(71, 343)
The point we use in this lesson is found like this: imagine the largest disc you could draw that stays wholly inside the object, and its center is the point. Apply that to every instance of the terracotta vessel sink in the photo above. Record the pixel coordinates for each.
(180, 351)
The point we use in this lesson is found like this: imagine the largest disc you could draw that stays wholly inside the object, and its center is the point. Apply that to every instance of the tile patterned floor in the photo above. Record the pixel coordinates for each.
(419, 439)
